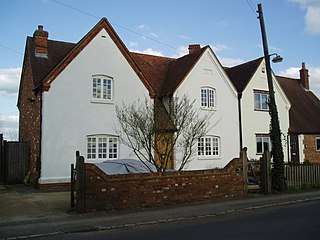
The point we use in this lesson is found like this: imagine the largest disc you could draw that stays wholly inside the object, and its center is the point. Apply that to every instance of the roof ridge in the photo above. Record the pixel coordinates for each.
(150, 55)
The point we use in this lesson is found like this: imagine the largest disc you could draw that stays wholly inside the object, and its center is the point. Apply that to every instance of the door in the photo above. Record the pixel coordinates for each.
(294, 149)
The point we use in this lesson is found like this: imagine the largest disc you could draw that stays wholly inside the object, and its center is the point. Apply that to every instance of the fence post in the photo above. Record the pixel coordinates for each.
(1, 159)
(72, 184)
(243, 155)
(265, 173)
(80, 185)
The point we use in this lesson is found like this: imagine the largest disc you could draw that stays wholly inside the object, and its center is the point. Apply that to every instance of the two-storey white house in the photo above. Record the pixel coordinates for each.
(250, 80)
(68, 93)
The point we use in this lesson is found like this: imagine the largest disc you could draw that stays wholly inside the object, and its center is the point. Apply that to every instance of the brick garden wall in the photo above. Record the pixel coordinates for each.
(105, 192)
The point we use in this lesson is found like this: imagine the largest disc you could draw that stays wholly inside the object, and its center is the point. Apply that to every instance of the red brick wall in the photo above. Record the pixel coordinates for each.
(310, 152)
(104, 192)
(29, 104)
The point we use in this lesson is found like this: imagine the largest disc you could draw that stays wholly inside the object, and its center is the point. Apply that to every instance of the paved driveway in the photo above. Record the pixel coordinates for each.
(19, 202)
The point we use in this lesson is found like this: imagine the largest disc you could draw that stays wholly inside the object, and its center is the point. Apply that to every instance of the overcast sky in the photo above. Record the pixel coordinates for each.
(164, 28)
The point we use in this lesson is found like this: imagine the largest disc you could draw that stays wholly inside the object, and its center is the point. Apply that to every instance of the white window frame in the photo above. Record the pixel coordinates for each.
(102, 147)
(102, 88)
(263, 139)
(261, 101)
(317, 144)
(209, 146)
(208, 98)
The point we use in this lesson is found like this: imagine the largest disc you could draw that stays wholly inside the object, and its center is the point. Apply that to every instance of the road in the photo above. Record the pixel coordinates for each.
(298, 221)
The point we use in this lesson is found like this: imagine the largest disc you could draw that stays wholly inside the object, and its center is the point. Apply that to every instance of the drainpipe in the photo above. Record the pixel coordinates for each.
(240, 119)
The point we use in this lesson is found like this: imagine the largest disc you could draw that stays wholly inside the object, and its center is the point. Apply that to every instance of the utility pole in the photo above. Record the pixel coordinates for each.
(275, 132)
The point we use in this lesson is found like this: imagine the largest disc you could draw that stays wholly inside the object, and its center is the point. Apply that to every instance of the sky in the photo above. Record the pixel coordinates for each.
(163, 28)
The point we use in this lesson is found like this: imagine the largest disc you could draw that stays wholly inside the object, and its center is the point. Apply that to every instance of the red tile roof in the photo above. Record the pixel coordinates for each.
(304, 113)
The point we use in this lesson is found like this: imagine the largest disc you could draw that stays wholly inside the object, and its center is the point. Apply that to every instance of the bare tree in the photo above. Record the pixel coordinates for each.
(156, 130)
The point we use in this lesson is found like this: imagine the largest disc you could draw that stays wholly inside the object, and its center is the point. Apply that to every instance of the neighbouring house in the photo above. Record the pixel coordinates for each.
(68, 93)
(304, 118)
(250, 80)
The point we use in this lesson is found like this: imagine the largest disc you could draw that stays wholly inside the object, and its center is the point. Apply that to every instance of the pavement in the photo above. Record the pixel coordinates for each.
(26, 213)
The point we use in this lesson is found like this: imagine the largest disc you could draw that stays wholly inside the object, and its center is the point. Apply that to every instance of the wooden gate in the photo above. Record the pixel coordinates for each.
(14, 161)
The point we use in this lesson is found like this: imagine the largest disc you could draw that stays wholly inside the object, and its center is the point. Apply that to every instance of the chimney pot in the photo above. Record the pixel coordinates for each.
(194, 47)
(304, 76)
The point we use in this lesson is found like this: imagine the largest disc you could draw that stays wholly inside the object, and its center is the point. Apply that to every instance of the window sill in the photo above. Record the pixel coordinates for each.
(209, 158)
(208, 109)
(261, 110)
(101, 101)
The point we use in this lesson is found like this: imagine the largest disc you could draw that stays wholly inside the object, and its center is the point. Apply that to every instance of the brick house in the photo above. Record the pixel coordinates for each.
(68, 93)
(304, 115)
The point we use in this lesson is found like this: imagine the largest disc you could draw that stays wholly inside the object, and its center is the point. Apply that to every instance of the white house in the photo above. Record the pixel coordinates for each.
(68, 93)
(208, 84)
(250, 79)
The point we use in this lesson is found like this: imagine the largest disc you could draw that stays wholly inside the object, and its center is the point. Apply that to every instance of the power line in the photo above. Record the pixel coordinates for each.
(115, 24)
(252, 7)
(12, 50)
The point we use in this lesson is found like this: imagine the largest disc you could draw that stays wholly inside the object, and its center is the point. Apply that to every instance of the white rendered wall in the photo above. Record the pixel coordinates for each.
(208, 73)
(69, 115)
(258, 122)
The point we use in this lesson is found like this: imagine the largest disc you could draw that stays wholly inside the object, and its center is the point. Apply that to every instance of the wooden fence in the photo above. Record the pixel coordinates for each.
(302, 176)
(14, 161)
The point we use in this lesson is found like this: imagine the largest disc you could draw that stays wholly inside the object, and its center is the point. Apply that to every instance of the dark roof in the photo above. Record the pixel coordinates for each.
(304, 114)
(241, 75)
(41, 66)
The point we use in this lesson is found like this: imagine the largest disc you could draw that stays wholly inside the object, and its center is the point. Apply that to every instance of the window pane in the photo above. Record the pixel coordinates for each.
(208, 146)
(259, 145)
(264, 101)
(203, 97)
(257, 101)
(201, 146)
(102, 147)
(94, 88)
(318, 144)
(91, 148)
(113, 148)
(215, 146)
(211, 98)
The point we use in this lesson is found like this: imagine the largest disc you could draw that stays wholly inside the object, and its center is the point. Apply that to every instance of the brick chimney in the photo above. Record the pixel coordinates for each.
(194, 47)
(40, 38)
(304, 76)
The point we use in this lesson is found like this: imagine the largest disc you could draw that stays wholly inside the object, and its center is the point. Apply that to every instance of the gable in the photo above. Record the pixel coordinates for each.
(78, 48)
(209, 67)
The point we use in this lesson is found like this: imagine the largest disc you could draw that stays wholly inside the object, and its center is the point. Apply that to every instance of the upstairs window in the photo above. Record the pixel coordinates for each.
(261, 100)
(102, 147)
(102, 88)
(209, 146)
(263, 143)
(208, 97)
